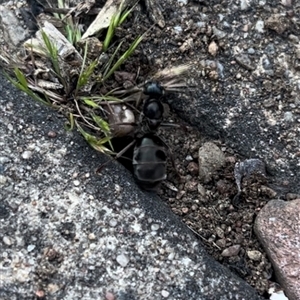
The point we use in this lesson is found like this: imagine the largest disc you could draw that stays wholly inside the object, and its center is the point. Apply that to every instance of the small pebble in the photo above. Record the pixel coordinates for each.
(291, 196)
(113, 223)
(219, 33)
(189, 157)
(154, 227)
(191, 186)
(288, 116)
(76, 182)
(4, 159)
(178, 29)
(118, 188)
(26, 154)
(180, 194)
(221, 243)
(244, 61)
(259, 26)
(165, 293)
(286, 2)
(245, 4)
(185, 210)
(122, 260)
(19, 4)
(40, 294)
(220, 232)
(109, 296)
(265, 190)
(269, 103)
(213, 48)
(52, 134)
(231, 251)
(193, 168)
(251, 51)
(53, 288)
(201, 190)
(92, 236)
(93, 246)
(254, 255)
(30, 248)
(7, 240)
(3, 179)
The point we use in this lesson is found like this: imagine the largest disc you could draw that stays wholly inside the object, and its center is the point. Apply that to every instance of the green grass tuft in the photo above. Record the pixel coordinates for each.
(80, 98)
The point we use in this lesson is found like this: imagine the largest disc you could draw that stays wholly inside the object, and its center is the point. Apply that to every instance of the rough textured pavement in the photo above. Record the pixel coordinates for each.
(68, 234)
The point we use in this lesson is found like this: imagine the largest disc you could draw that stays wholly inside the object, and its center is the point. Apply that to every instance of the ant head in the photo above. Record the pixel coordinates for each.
(153, 89)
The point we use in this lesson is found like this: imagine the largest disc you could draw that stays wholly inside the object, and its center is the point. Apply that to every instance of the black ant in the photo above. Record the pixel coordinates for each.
(150, 152)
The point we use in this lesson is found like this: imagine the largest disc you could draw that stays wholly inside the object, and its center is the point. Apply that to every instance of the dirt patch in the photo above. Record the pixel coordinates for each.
(206, 207)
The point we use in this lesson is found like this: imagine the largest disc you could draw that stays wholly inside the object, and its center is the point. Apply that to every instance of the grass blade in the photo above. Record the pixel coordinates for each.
(109, 34)
(52, 52)
(22, 85)
(104, 126)
(108, 65)
(85, 74)
(125, 56)
(21, 77)
(94, 142)
(115, 21)
(90, 102)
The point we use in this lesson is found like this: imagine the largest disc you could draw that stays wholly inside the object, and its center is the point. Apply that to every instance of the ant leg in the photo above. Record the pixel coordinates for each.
(119, 154)
(172, 158)
(173, 164)
(174, 125)
(170, 125)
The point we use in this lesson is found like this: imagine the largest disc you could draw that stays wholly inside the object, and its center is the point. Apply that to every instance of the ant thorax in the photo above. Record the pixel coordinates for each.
(144, 127)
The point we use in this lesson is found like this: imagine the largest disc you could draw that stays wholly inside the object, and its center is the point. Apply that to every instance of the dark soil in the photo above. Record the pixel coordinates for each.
(209, 211)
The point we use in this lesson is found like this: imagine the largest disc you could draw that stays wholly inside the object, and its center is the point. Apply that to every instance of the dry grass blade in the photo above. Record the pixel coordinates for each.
(104, 17)
(172, 72)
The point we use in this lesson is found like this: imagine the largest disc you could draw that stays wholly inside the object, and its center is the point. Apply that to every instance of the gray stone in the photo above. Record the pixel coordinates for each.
(211, 158)
(13, 31)
(245, 61)
(26, 154)
(254, 255)
(231, 251)
(278, 228)
(122, 260)
(278, 23)
(259, 26)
